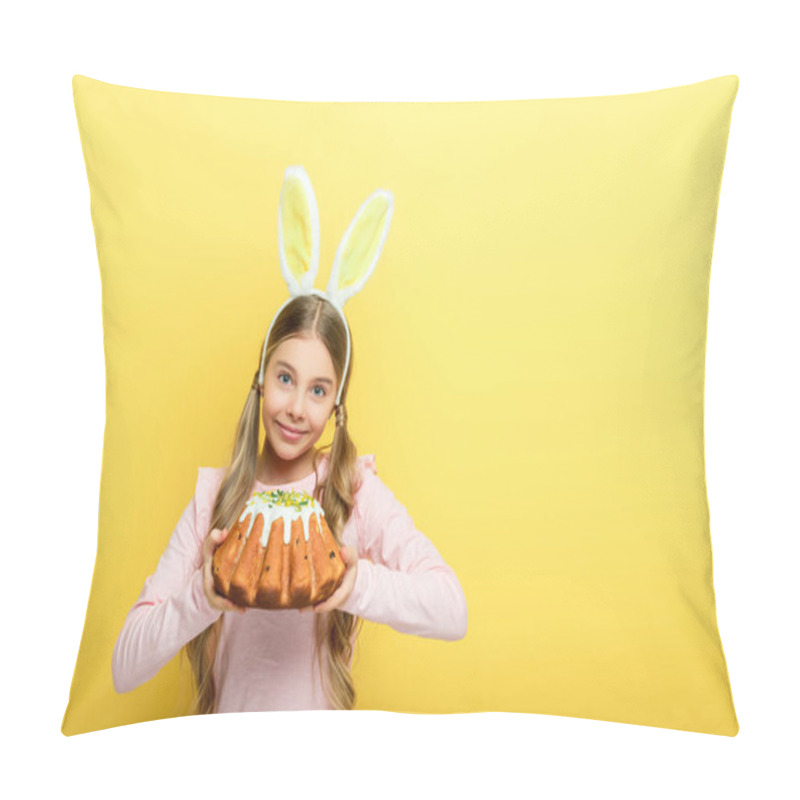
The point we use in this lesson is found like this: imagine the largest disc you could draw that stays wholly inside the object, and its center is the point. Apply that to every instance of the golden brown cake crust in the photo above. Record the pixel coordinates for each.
(294, 571)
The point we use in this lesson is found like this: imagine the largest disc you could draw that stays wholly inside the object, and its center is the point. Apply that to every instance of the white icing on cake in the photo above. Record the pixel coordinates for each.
(280, 504)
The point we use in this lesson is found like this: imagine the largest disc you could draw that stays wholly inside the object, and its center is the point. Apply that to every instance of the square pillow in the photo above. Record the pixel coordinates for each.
(529, 367)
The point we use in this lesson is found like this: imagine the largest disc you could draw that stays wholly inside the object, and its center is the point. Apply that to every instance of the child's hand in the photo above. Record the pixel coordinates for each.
(350, 558)
(215, 600)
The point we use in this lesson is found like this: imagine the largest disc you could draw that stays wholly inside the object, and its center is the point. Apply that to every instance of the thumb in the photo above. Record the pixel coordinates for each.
(216, 537)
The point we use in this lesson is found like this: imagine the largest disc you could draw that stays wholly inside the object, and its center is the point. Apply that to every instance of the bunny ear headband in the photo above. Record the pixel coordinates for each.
(298, 247)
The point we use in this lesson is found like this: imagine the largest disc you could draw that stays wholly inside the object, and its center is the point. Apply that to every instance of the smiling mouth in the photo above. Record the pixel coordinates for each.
(290, 430)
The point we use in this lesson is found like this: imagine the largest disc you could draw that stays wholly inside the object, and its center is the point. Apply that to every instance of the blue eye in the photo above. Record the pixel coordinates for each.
(322, 392)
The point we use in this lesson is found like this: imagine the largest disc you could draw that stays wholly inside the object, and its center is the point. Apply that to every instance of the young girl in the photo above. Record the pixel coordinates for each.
(265, 660)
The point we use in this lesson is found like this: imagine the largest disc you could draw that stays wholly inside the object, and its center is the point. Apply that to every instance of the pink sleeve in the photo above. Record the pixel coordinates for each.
(172, 607)
(406, 584)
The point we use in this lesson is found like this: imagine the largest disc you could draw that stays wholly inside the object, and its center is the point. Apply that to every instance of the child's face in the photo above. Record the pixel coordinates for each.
(299, 393)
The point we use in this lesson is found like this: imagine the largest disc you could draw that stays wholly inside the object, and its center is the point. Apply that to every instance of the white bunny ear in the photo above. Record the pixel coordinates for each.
(360, 248)
(298, 231)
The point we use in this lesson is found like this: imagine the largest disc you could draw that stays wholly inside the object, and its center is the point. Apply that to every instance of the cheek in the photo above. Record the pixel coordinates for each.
(270, 407)
(321, 417)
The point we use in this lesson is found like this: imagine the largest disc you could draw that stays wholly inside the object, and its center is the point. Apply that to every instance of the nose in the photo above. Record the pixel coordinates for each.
(296, 405)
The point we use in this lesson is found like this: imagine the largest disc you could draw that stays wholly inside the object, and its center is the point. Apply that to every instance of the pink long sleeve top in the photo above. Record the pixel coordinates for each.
(264, 659)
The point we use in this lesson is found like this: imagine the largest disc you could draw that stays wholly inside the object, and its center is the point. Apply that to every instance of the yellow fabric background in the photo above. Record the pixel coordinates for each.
(528, 367)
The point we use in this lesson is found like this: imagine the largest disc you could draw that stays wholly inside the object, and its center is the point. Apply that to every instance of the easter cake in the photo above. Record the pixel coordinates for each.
(280, 554)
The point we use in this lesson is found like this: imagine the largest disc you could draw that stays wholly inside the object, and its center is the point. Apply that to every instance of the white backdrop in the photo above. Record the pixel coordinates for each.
(54, 385)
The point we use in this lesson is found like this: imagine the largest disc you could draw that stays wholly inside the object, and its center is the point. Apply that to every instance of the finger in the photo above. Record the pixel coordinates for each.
(335, 600)
(331, 602)
(211, 542)
(208, 544)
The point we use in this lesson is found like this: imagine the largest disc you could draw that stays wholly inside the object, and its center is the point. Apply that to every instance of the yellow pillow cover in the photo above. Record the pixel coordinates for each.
(528, 367)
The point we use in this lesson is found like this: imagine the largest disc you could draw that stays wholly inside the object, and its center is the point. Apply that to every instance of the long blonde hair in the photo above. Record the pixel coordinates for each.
(334, 631)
